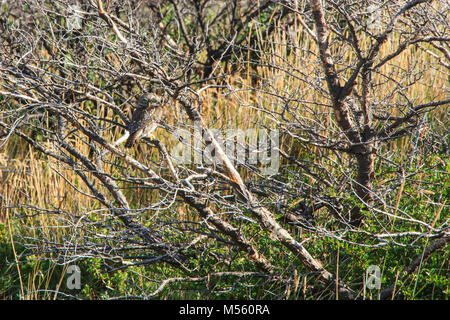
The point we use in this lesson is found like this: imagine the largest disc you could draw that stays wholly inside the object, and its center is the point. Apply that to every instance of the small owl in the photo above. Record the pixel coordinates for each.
(145, 117)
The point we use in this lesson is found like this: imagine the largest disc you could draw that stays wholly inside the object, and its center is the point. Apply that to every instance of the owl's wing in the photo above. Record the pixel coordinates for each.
(138, 116)
(131, 139)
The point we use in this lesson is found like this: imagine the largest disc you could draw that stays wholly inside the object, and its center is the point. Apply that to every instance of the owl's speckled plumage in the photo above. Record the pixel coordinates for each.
(144, 119)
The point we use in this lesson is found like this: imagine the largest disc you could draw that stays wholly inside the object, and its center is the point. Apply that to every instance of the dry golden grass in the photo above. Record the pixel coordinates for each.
(30, 178)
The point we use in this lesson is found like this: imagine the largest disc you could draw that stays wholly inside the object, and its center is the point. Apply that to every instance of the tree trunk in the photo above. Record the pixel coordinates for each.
(363, 183)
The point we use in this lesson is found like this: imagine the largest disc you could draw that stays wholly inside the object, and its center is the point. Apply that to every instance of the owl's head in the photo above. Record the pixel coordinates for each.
(150, 99)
